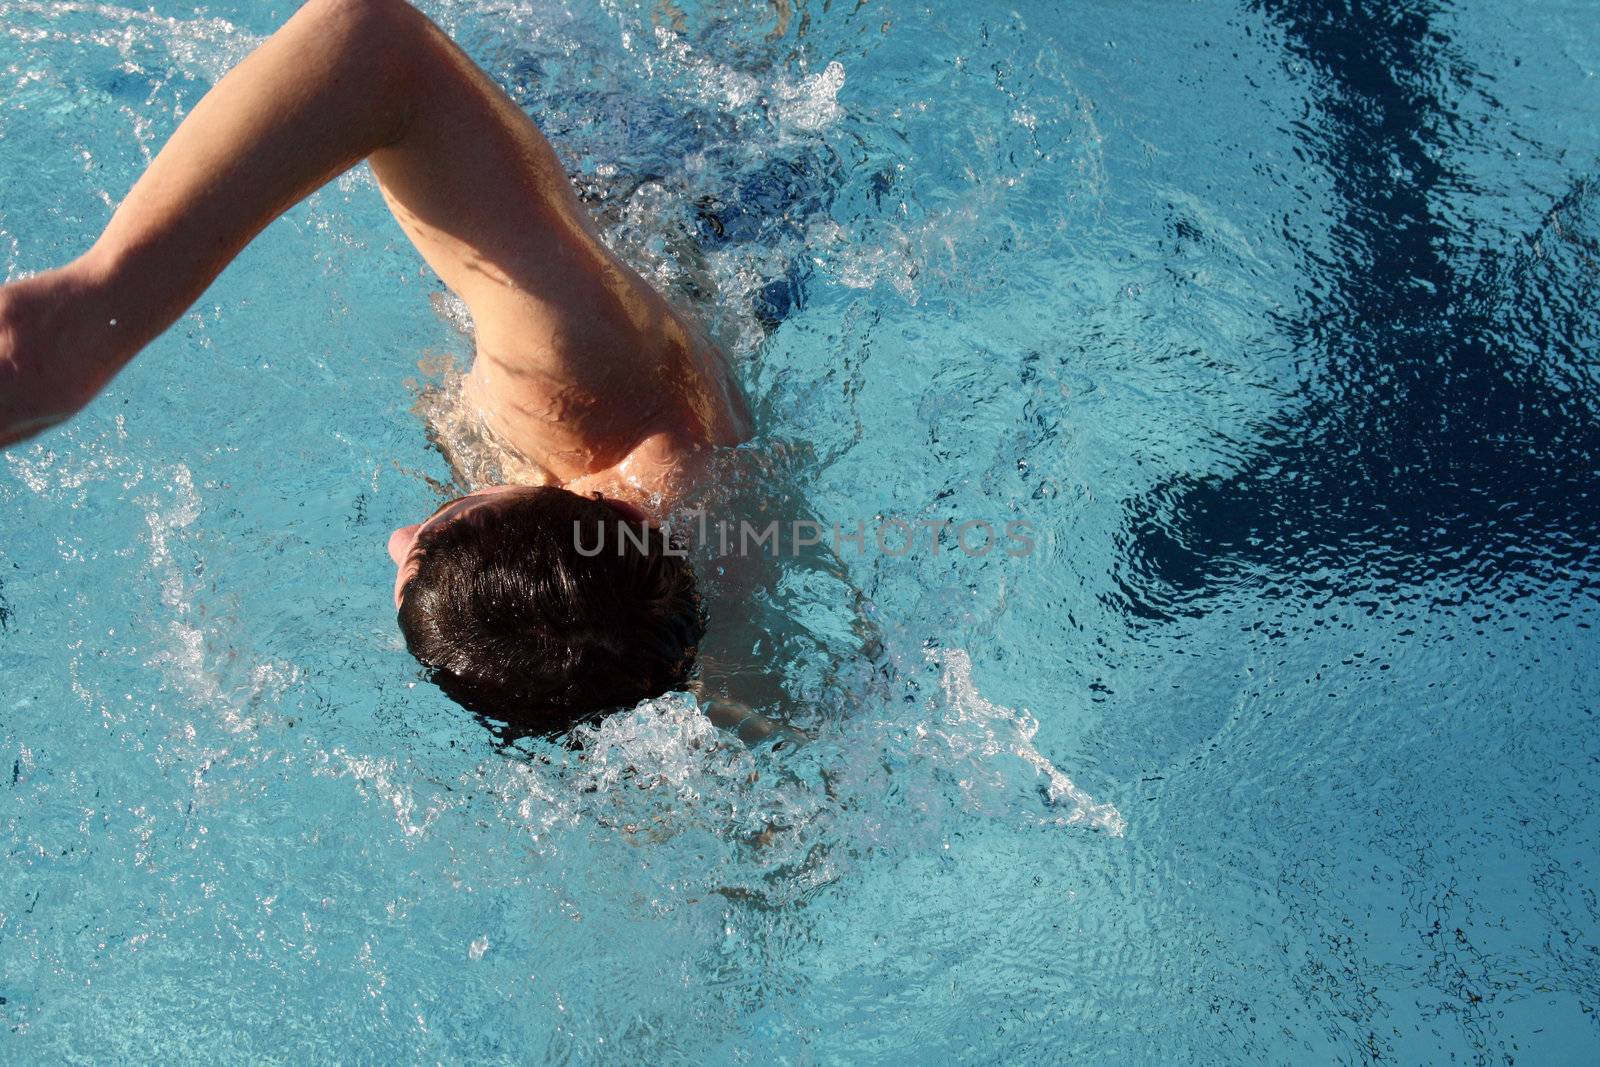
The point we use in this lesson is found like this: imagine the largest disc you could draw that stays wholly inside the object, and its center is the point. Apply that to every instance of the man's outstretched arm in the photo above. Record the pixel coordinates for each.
(469, 177)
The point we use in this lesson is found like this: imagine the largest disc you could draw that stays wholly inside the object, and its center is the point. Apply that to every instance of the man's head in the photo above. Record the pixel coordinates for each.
(539, 607)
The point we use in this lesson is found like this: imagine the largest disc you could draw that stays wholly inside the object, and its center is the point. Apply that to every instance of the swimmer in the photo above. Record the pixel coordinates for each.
(613, 398)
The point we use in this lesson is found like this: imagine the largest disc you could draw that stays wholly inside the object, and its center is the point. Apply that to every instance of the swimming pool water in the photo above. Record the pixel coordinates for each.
(1276, 321)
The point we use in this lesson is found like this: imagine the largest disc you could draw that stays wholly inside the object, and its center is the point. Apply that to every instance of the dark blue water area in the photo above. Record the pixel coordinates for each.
(1445, 424)
(624, 136)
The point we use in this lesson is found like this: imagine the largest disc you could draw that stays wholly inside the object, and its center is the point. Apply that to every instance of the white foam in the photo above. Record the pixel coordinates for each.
(986, 730)
(812, 104)
(203, 48)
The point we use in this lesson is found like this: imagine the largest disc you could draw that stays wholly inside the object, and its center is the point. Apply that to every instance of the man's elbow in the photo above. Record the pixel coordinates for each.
(381, 45)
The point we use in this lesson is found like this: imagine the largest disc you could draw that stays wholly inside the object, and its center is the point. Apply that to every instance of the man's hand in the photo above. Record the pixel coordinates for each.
(54, 355)
(748, 725)
(17, 422)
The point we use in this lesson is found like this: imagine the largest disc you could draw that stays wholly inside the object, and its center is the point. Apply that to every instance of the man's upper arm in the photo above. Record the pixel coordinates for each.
(477, 187)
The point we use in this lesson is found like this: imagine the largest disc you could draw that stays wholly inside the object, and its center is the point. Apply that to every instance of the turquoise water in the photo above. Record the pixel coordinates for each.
(1276, 321)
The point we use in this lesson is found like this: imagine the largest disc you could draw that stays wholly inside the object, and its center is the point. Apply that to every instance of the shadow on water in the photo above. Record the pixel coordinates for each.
(1446, 424)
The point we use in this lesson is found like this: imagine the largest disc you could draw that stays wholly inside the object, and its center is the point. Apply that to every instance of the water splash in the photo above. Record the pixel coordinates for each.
(978, 729)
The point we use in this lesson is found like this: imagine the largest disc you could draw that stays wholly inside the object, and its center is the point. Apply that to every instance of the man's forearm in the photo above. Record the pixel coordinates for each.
(469, 177)
(335, 83)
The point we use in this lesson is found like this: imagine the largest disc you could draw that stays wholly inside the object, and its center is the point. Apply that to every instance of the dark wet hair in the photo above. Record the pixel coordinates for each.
(516, 623)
